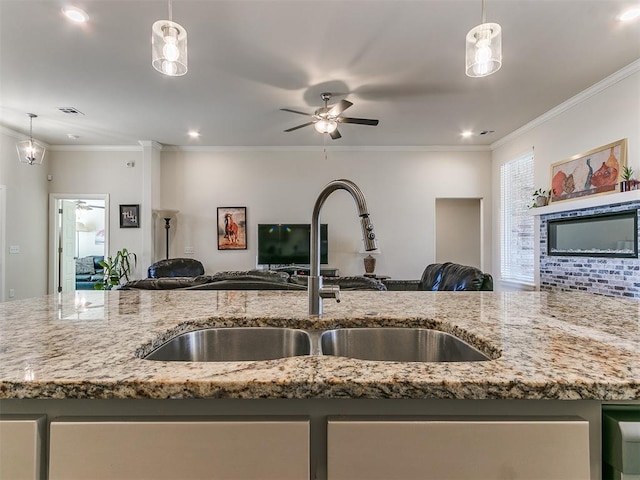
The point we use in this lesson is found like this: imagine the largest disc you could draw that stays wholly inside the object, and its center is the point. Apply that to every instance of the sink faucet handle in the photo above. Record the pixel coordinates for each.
(330, 291)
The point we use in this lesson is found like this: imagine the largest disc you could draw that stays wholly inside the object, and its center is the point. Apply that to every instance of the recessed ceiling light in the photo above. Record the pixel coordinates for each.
(466, 134)
(194, 134)
(630, 14)
(75, 14)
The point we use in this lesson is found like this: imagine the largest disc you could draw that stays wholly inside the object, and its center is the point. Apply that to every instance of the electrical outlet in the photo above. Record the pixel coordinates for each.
(189, 250)
(12, 293)
(14, 249)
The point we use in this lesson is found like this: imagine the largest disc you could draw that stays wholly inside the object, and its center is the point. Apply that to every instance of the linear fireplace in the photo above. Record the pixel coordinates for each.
(605, 264)
(613, 235)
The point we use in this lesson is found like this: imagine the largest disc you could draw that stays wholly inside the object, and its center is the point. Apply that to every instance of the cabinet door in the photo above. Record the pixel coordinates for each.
(21, 447)
(458, 449)
(179, 449)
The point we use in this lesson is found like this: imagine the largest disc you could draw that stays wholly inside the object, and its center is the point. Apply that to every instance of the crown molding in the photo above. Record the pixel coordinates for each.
(581, 97)
(20, 136)
(426, 148)
(96, 148)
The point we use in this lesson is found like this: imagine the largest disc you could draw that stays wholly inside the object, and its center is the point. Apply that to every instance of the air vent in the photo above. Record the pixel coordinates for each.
(70, 110)
(487, 132)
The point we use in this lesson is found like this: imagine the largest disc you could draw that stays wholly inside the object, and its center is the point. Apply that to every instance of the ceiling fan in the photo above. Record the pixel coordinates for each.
(82, 205)
(326, 119)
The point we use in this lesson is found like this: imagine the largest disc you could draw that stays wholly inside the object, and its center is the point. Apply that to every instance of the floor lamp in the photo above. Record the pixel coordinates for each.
(167, 215)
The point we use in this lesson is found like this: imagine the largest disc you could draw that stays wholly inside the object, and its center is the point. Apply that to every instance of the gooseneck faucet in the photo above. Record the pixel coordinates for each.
(316, 291)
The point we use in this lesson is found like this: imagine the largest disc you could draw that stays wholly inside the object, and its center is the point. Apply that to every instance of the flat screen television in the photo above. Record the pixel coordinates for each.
(288, 244)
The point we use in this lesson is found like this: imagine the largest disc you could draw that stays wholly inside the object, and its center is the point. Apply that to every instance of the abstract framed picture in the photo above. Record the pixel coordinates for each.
(129, 216)
(232, 228)
(596, 172)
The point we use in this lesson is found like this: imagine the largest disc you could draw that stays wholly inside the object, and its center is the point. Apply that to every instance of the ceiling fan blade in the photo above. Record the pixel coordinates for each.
(296, 111)
(339, 107)
(358, 121)
(335, 134)
(299, 126)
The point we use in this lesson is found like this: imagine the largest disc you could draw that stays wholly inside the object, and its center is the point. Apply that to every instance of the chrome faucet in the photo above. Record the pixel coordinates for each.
(316, 291)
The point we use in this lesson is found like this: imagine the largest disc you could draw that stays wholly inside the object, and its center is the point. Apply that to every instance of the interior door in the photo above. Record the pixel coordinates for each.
(68, 244)
(458, 231)
(2, 240)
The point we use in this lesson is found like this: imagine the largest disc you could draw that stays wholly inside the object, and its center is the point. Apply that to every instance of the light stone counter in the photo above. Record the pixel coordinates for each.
(544, 346)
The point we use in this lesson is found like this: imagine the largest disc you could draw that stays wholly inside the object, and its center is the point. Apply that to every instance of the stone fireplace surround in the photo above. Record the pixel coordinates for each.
(605, 276)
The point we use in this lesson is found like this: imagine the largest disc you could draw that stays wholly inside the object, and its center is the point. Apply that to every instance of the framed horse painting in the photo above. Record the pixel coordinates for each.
(232, 228)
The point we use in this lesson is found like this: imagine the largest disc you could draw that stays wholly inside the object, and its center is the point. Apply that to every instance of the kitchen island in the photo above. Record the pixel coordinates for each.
(552, 355)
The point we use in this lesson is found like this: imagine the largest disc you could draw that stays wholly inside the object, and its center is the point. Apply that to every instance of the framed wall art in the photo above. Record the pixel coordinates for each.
(129, 216)
(593, 173)
(232, 228)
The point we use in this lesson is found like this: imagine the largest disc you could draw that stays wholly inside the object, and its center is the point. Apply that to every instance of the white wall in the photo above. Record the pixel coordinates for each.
(282, 186)
(26, 217)
(607, 112)
(103, 171)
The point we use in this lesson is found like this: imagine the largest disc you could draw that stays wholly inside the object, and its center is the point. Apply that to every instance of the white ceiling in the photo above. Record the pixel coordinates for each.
(399, 61)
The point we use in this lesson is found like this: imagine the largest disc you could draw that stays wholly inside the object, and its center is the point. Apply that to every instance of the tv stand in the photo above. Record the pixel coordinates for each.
(305, 270)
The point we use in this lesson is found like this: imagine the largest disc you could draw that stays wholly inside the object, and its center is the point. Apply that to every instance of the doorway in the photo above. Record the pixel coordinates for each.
(3, 223)
(459, 231)
(78, 235)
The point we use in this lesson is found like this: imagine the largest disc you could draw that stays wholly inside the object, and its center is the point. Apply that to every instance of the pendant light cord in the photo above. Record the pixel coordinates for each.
(171, 9)
(483, 13)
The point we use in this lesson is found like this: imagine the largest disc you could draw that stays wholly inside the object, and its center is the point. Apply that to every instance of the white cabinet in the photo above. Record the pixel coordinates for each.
(451, 449)
(185, 449)
(21, 455)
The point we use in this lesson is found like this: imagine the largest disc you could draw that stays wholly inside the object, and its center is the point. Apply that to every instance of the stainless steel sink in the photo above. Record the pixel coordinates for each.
(398, 345)
(234, 344)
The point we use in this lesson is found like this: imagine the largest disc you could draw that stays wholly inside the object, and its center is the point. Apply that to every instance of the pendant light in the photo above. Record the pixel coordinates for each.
(30, 151)
(484, 48)
(169, 46)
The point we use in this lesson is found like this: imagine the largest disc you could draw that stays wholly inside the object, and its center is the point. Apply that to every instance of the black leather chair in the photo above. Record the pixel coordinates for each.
(176, 267)
(454, 277)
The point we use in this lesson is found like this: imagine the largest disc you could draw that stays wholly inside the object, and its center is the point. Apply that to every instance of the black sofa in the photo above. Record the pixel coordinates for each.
(454, 277)
(89, 272)
(188, 274)
(441, 277)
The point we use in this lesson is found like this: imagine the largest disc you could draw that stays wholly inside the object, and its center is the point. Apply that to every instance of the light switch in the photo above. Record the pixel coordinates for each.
(14, 249)
(190, 250)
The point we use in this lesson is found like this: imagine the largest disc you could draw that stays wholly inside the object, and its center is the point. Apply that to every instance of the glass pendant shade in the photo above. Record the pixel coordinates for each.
(484, 50)
(326, 126)
(169, 48)
(30, 151)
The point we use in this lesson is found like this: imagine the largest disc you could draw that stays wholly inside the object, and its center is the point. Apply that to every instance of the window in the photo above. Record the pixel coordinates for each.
(516, 236)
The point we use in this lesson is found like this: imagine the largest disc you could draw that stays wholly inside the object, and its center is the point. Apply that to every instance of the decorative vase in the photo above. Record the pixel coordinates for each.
(625, 185)
(542, 201)
(369, 265)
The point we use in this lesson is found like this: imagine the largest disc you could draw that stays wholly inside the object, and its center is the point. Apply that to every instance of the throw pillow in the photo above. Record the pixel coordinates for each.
(84, 266)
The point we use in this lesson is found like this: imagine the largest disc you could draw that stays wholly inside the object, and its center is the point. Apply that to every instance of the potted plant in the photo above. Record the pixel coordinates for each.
(627, 182)
(116, 269)
(540, 198)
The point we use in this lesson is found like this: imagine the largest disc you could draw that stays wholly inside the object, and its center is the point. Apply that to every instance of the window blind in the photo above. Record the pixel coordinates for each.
(516, 237)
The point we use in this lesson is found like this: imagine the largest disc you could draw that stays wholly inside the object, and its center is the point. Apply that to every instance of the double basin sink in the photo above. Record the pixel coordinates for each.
(267, 343)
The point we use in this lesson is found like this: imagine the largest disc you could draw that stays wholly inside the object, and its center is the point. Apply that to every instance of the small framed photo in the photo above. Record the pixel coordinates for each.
(595, 172)
(232, 228)
(129, 216)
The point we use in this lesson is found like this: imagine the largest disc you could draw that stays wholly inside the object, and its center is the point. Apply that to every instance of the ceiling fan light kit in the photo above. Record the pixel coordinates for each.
(483, 49)
(169, 47)
(325, 119)
(30, 151)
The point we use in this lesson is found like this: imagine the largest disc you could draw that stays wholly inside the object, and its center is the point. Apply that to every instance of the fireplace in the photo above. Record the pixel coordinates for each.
(613, 235)
(594, 248)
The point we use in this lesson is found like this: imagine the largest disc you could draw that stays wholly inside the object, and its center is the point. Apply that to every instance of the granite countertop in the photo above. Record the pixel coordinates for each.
(543, 345)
